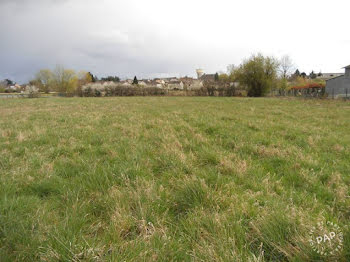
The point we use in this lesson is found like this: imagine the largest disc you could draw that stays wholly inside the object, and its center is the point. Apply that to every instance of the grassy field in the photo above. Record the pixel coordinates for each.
(171, 179)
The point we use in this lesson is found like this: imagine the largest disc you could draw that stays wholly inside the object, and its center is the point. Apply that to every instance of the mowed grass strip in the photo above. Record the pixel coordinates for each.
(171, 178)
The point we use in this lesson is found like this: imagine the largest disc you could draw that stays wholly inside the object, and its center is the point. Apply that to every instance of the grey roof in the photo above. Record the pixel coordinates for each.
(208, 77)
(334, 78)
(347, 67)
(329, 74)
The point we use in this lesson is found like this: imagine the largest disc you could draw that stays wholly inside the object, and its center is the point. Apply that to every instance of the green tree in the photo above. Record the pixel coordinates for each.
(93, 78)
(283, 83)
(223, 78)
(135, 82)
(295, 75)
(44, 80)
(65, 80)
(258, 74)
(9, 82)
(85, 77)
(111, 78)
(313, 75)
(216, 77)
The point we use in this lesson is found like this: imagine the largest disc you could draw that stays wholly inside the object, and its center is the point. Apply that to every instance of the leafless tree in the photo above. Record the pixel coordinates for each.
(286, 66)
(230, 69)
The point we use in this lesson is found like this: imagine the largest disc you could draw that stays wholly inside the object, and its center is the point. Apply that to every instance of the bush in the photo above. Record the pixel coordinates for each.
(32, 91)
(216, 89)
(113, 89)
(258, 74)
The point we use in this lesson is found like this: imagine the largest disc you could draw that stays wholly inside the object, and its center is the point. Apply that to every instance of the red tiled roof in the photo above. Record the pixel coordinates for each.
(309, 86)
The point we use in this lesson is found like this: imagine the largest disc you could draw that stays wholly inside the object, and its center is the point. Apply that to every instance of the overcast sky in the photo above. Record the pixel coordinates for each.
(161, 37)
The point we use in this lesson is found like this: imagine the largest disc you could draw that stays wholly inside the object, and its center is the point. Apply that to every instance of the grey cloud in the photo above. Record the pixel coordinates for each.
(148, 38)
(26, 2)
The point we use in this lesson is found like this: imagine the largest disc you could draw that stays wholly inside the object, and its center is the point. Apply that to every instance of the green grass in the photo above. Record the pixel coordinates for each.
(171, 179)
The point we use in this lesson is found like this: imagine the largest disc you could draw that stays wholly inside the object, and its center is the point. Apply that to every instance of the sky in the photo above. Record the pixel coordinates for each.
(158, 38)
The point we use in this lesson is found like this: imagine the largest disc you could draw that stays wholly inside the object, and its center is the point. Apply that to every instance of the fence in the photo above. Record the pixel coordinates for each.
(314, 92)
(13, 95)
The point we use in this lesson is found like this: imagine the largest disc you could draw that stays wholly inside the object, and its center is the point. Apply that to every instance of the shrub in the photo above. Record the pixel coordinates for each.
(32, 91)
(217, 89)
(116, 89)
(258, 74)
(113, 89)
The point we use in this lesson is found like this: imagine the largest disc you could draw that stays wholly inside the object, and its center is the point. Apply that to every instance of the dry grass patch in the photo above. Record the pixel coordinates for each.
(232, 164)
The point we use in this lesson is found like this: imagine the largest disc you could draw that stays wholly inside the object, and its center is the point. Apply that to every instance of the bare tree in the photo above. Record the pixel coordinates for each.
(286, 66)
(230, 68)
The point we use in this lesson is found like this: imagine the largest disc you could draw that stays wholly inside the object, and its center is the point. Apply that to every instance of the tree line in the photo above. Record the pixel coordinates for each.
(61, 80)
(259, 74)
(65, 81)
(256, 75)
